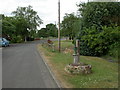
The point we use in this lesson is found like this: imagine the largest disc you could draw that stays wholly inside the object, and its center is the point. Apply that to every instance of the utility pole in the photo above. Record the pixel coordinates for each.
(59, 45)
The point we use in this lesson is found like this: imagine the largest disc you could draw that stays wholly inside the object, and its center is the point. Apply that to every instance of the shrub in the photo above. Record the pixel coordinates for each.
(114, 50)
(16, 39)
(97, 43)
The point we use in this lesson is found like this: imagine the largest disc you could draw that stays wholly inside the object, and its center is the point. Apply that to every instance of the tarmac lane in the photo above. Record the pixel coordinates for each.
(23, 67)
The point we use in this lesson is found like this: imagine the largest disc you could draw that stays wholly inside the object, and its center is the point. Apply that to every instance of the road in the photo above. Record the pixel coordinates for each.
(0, 68)
(23, 67)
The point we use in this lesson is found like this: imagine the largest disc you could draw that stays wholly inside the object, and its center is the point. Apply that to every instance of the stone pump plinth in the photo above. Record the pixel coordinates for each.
(77, 67)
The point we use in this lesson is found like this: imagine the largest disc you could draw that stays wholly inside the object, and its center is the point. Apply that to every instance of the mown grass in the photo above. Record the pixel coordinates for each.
(104, 73)
(64, 44)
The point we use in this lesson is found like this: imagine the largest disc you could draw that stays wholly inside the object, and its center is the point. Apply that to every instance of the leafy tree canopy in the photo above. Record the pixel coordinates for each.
(51, 30)
(31, 17)
(68, 25)
(99, 13)
(99, 28)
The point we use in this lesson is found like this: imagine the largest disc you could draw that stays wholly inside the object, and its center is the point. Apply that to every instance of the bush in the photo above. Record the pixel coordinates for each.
(16, 39)
(114, 50)
(98, 43)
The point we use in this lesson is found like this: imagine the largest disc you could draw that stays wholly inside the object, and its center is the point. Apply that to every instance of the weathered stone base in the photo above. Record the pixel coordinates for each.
(80, 68)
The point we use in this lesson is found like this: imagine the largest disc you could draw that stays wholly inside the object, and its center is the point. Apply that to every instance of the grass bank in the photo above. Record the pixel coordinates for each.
(105, 74)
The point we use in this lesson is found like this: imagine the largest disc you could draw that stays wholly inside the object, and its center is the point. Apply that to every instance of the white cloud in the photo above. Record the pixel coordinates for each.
(47, 9)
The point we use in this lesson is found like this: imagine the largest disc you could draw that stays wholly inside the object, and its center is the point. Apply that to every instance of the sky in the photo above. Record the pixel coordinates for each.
(46, 9)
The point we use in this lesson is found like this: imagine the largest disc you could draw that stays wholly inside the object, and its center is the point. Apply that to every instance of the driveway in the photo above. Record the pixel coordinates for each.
(23, 67)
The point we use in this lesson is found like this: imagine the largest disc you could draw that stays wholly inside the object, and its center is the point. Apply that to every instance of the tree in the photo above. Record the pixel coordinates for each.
(27, 20)
(21, 27)
(68, 25)
(42, 32)
(51, 30)
(0, 26)
(14, 29)
(31, 17)
(99, 14)
(8, 28)
(99, 30)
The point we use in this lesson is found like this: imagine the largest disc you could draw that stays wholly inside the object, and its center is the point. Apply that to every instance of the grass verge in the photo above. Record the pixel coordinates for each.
(105, 74)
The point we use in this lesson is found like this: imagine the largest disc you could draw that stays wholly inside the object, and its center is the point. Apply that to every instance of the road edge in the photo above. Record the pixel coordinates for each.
(1, 68)
(53, 76)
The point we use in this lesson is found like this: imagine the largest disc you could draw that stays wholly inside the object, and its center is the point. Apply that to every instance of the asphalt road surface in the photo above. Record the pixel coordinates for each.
(0, 68)
(23, 67)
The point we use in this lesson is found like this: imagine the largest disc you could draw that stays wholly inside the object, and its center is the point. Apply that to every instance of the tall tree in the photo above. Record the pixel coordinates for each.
(31, 17)
(99, 13)
(21, 27)
(51, 30)
(8, 28)
(68, 25)
(1, 25)
(99, 28)
(42, 32)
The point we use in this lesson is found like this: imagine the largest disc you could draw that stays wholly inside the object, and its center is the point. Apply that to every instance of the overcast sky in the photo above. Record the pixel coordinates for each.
(47, 9)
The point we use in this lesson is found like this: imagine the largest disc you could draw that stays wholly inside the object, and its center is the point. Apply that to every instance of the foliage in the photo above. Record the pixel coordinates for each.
(114, 51)
(99, 43)
(33, 34)
(1, 25)
(31, 17)
(49, 31)
(16, 39)
(99, 28)
(42, 32)
(99, 13)
(8, 28)
(21, 26)
(70, 25)
(13, 27)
